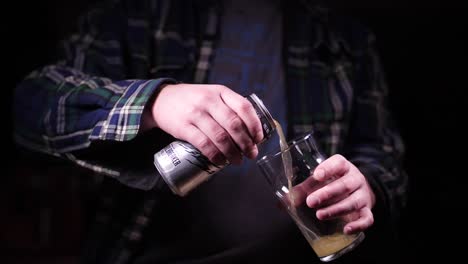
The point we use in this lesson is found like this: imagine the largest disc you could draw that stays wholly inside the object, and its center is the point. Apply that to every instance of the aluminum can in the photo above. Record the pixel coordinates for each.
(183, 167)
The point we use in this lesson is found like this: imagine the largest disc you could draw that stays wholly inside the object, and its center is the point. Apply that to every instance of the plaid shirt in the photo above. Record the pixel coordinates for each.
(125, 50)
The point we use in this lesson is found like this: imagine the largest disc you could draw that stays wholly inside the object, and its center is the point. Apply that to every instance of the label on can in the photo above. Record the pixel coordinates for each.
(183, 167)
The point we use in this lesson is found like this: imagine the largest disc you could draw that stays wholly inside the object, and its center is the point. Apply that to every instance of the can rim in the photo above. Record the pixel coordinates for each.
(263, 109)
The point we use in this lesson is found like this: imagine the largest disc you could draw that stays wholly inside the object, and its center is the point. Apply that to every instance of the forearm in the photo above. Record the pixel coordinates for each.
(374, 144)
(59, 111)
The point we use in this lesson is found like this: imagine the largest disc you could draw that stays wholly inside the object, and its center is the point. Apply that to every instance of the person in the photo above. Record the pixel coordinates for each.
(139, 74)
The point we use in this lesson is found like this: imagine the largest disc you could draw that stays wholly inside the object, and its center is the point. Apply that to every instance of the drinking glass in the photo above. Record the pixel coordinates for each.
(288, 172)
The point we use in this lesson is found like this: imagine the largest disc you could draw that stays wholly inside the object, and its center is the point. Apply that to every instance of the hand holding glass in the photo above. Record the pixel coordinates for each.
(289, 173)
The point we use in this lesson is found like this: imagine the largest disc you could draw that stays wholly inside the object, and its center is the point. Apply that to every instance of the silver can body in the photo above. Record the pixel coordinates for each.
(183, 167)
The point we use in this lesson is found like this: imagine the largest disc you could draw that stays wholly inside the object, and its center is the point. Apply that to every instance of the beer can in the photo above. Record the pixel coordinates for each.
(183, 167)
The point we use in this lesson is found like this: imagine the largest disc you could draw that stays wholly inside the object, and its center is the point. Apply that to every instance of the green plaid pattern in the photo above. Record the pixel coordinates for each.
(125, 50)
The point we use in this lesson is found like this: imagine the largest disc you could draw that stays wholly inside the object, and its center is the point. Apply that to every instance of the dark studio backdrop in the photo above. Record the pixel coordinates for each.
(424, 54)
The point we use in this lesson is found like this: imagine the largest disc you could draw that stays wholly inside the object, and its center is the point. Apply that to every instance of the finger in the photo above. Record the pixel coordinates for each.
(365, 221)
(235, 128)
(300, 191)
(245, 110)
(341, 186)
(296, 196)
(219, 137)
(349, 204)
(332, 201)
(202, 142)
(335, 166)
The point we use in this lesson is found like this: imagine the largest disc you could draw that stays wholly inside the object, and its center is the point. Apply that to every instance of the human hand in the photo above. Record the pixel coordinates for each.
(217, 121)
(338, 189)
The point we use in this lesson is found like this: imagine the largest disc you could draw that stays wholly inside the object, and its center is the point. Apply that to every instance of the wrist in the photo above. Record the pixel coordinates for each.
(148, 120)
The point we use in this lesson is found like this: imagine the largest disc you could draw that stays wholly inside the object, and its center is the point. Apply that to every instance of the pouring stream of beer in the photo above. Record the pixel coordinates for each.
(287, 163)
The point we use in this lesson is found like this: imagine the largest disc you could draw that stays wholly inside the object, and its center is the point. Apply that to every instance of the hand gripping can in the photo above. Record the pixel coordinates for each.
(183, 167)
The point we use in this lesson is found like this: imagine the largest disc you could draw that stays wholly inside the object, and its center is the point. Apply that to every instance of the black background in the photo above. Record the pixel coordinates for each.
(424, 54)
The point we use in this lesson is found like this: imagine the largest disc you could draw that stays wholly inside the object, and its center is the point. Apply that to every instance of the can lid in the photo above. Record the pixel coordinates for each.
(268, 124)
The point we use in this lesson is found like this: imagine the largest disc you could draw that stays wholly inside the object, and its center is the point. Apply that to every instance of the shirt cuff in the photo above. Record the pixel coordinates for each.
(123, 121)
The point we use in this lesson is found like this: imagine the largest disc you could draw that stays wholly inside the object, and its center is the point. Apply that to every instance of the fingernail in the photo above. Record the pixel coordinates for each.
(253, 152)
(258, 138)
(312, 201)
(348, 230)
(319, 174)
(320, 215)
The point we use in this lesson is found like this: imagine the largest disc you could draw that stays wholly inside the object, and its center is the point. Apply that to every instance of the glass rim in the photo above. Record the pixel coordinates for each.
(277, 152)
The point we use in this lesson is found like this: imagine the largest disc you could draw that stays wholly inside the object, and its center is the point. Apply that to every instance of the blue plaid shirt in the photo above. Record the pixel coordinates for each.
(123, 52)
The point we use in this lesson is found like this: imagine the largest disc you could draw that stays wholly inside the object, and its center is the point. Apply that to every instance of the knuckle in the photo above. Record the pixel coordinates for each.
(326, 194)
(339, 157)
(341, 161)
(205, 100)
(195, 111)
(222, 137)
(346, 185)
(356, 205)
(235, 124)
(220, 87)
(213, 155)
(245, 106)
(258, 130)
(204, 145)
(349, 184)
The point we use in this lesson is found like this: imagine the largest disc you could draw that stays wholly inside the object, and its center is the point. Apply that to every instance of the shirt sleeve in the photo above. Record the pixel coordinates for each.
(374, 144)
(84, 98)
